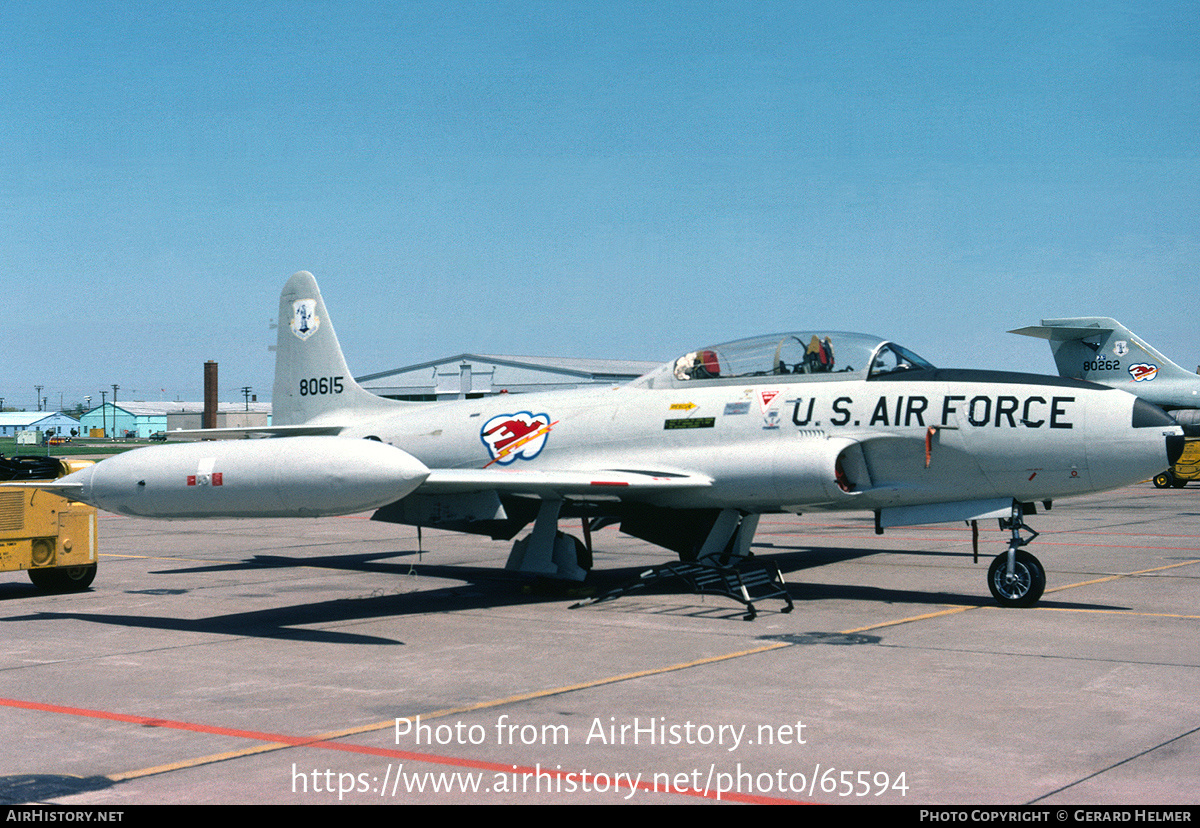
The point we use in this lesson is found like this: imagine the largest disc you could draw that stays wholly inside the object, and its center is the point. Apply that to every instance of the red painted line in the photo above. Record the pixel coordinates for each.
(429, 758)
(147, 721)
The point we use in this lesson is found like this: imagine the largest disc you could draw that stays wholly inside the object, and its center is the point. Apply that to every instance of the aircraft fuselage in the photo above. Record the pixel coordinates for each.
(853, 444)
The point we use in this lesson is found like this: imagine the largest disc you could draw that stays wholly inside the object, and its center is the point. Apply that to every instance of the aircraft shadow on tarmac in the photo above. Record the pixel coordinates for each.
(29, 788)
(488, 588)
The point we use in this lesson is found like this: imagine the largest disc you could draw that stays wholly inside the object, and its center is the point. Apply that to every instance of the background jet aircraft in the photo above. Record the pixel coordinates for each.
(1103, 350)
(687, 457)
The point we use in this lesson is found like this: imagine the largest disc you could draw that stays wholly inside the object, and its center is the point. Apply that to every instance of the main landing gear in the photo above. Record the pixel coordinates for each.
(1016, 578)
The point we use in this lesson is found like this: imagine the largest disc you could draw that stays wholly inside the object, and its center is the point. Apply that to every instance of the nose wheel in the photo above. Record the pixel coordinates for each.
(1024, 587)
(1016, 578)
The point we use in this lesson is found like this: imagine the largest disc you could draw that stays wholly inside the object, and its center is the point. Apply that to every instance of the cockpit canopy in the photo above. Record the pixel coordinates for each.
(807, 356)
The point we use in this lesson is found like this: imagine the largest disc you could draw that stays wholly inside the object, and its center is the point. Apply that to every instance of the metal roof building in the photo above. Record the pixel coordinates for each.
(13, 421)
(478, 375)
(141, 419)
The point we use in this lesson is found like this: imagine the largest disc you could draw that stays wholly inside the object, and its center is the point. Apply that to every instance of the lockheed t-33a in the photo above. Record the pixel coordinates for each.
(687, 457)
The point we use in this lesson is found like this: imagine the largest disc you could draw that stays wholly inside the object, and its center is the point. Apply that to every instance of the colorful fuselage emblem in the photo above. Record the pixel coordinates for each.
(1143, 371)
(304, 318)
(510, 437)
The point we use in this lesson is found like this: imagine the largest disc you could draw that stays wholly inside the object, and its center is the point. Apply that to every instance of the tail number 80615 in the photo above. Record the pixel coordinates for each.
(320, 385)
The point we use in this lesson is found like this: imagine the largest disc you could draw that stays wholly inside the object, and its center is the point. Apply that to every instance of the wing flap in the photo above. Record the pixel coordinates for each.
(968, 510)
(609, 482)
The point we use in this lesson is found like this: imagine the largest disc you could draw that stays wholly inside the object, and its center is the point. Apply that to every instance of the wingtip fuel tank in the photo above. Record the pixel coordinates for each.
(279, 477)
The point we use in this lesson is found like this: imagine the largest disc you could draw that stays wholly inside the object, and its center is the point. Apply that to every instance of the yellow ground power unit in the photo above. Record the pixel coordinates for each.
(50, 537)
(1186, 468)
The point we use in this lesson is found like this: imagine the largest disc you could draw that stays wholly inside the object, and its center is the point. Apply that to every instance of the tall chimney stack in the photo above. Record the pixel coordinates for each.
(210, 395)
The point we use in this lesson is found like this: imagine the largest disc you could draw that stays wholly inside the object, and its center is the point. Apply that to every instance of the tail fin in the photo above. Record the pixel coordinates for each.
(1103, 350)
(312, 382)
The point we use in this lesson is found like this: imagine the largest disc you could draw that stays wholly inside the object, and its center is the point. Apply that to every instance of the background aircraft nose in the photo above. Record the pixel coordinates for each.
(1175, 444)
(1149, 415)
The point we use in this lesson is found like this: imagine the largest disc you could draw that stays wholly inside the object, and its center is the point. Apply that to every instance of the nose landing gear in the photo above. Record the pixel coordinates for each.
(1016, 578)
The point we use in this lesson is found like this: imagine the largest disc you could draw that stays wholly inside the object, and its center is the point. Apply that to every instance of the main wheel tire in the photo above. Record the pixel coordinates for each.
(44, 579)
(1029, 583)
(63, 579)
(1178, 482)
(1163, 480)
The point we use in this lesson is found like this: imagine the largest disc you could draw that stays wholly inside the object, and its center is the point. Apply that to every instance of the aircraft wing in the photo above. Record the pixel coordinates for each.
(312, 430)
(605, 482)
(53, 486)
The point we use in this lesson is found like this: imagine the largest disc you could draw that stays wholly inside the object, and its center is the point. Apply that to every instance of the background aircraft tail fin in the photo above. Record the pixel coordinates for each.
(312, 381)
(1103, 350)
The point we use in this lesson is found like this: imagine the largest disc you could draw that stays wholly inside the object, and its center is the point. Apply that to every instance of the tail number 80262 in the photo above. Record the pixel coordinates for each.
(320, 385)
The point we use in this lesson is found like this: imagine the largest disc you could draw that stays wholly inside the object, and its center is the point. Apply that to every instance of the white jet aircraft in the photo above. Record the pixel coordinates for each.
(686, 457)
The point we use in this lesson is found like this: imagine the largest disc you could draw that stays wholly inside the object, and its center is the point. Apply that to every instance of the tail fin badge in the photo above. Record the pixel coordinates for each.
(304, 318)
(1143, 372)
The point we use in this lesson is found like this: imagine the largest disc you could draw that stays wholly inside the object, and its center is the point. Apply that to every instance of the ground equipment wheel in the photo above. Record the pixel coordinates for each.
(77, 578)
(1162, 480)
(1029, 580)
(63, 579)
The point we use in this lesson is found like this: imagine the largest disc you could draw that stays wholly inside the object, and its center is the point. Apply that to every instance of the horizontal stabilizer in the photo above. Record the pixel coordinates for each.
(1061, 333)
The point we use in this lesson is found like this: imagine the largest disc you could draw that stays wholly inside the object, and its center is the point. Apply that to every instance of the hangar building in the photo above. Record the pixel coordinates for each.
(478, 375)
(454, 377)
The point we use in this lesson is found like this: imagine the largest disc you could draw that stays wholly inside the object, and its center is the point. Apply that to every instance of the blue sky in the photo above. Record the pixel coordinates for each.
(615, 179)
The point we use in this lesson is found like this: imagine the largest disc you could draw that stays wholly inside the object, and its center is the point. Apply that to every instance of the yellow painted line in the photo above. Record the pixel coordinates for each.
(1121, 575)
(390, 723)
(911, 619)
(1120, 612)
(196, 762)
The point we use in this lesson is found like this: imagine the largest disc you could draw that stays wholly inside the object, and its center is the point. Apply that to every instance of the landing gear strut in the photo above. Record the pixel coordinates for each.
(547, 551)
(1016, 578)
